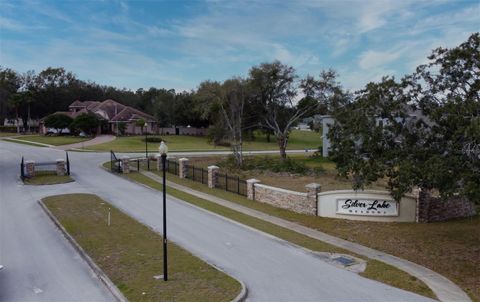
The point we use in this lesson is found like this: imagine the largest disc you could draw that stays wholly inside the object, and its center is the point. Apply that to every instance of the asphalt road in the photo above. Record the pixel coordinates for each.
(272, 269)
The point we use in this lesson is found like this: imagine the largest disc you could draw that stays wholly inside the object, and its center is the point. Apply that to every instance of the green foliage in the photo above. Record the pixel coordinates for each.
(153, 139)
(122, 126)
(376, 136)
(276, 165)
(85, 122)
(140, 123)
(58, 121)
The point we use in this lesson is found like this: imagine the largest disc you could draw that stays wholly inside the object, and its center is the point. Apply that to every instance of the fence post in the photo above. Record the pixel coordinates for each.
(251, 188)
(125, 164)
(138, 165)
(226, 181)
(212, 176)
(22, 171)
(183, 167)
(238, 185)
(30, 166)
(312, 197)
(193, 173)
(159, 162)
(68, 164)
(60, 167)
(202, 175)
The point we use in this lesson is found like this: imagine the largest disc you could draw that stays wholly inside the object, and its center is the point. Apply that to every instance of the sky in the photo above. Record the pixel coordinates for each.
(178, 44)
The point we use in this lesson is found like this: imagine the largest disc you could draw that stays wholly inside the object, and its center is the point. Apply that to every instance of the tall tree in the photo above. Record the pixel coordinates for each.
(423, 131)
(227, 100)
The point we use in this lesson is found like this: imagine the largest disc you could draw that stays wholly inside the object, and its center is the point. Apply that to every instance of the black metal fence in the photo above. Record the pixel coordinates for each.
(115, 163)
(232, 184)
(227, 182)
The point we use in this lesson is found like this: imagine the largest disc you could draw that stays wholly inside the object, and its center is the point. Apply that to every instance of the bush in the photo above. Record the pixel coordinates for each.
(153, 139)
(8, 129)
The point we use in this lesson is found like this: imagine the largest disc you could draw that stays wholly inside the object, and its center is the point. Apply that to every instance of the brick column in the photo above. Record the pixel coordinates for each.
(312, 197)
(423, 204)
(182, 167)
(30, 168)
(213, 176)
(159, 162)
(251, 188)
(125, 164)
(61, 167)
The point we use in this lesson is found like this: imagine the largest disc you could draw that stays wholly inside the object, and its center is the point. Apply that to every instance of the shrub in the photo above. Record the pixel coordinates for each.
(154, 139)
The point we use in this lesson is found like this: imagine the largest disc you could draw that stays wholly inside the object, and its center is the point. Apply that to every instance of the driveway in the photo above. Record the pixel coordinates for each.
(272, 269)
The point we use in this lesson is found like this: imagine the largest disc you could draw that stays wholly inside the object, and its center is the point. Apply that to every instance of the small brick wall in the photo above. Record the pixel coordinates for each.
(286, 199)
(431, 209)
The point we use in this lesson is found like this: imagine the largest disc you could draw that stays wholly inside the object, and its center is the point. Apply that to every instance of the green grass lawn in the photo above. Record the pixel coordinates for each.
(376, 270)
(450, 248)
(47, 178)
(131, 254)
(4, 134)
(54, 140)
(298, 140)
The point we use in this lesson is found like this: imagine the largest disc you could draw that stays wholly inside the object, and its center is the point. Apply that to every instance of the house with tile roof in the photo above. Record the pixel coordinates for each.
(115, 118)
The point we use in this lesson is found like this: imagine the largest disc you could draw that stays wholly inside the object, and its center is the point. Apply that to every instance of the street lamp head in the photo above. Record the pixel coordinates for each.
(146, 125)
(163, 149)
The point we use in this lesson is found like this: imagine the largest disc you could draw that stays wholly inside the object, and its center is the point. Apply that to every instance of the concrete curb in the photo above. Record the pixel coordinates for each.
(98, 272)
(242, 296)
(34, 144)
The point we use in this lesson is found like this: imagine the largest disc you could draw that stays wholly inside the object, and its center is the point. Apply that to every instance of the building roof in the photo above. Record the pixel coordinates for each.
(112, 111)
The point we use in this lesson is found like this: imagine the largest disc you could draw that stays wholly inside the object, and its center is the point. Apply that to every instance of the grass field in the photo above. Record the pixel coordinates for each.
(4, 134)
(131, 254)
(47, 178)
(327, 178)
(450, 248)
(298, 140)
(54, 140)
(375, 270)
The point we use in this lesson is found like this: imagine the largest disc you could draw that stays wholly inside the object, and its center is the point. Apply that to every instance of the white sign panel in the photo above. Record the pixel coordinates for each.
(367, 207)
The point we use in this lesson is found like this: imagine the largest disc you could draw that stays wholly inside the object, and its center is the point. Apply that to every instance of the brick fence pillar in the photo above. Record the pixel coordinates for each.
(423, 205)
(251, 188)
(61, 167)
(159, 162)
(182, 167)
(312, 197)
(213, 176)
(125, 164)
(30, 168)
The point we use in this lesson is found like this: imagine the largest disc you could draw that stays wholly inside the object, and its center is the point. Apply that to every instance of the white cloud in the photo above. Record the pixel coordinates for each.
(372, 59)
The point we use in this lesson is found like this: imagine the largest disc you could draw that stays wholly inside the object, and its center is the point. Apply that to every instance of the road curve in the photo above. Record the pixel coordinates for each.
(272, 269)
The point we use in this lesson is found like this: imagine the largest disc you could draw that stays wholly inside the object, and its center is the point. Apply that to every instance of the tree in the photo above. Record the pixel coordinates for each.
(227, 102)
(85, 122)
(423, 131)
(58, 121)
(275, 87)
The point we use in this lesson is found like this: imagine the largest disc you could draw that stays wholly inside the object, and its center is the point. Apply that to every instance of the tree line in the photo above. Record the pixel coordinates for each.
(374, 136)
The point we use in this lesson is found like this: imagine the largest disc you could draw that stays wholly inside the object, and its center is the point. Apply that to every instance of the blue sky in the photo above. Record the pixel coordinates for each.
(178, 44)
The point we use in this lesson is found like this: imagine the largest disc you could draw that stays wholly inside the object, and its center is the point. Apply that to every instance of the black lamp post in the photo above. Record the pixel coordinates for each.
(146, 142)
(146, 145)
(163, 149)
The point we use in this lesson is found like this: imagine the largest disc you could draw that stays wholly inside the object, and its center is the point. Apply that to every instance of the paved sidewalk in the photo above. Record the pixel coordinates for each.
(101, 139)
(444, 289)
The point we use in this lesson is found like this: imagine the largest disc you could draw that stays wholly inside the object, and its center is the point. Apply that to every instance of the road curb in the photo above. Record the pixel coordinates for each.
(242, 296)
(98, 272)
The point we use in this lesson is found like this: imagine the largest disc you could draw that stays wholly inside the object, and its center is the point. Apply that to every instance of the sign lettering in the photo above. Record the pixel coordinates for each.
(367, 207)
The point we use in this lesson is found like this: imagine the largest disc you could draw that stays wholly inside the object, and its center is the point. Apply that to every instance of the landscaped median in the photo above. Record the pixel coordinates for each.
(375, 270)
(130, 254)
(47, 178)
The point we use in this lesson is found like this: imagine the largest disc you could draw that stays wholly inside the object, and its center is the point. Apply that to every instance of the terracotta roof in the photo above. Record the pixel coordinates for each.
(129, 113)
